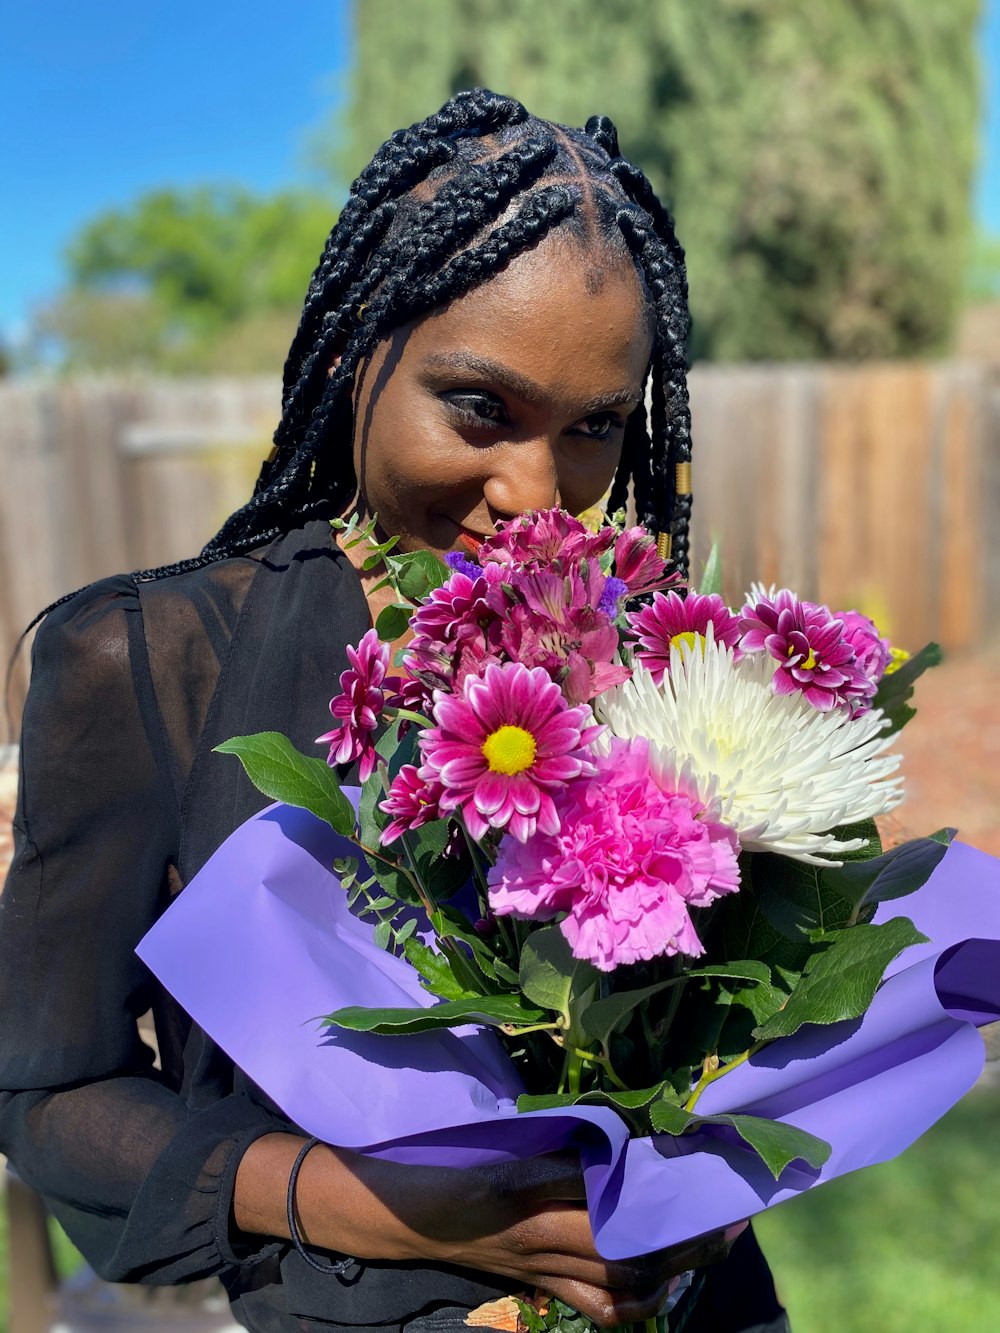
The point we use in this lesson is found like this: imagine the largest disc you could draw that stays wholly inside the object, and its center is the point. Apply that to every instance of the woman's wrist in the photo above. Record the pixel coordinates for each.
(336, 1206)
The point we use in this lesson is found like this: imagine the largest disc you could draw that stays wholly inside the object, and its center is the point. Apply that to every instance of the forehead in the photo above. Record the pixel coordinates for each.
(573, 319)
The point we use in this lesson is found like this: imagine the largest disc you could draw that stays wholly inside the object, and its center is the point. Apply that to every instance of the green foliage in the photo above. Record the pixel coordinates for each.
(204, 278)
(494, 1010)
(277, 769)
(550, 976)
(896, 689)
(982, 278)
(840, 982)
(818, 157)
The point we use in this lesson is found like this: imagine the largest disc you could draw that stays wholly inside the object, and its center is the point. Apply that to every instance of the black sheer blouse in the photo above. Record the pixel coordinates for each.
(121, 801)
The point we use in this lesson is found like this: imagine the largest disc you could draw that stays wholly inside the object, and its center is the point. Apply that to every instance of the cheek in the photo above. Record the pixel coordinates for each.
(583, 481)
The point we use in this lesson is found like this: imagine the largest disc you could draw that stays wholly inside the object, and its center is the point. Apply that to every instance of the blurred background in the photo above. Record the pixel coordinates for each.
(170, 175)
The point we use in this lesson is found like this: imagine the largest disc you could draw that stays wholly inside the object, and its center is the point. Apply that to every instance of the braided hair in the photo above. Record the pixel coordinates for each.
(441, 208)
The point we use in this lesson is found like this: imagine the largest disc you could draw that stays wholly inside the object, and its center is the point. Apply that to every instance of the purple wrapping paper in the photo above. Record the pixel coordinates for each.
(261, 943)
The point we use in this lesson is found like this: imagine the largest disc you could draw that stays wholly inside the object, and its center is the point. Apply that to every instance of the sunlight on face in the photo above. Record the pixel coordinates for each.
(512, 397)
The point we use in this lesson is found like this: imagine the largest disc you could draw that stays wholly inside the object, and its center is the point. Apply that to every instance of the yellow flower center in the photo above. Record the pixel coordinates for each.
(897, 656)
(509, 750)
(810, 661)
(690, 637)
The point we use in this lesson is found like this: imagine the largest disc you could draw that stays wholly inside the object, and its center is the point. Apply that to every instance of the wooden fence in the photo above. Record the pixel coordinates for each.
(876, 485)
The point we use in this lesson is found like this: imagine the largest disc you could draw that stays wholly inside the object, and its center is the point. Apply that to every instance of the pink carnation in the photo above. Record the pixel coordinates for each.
(503, 747)
(359, 706)
(813, 654)
(670, 617)
(632, 855)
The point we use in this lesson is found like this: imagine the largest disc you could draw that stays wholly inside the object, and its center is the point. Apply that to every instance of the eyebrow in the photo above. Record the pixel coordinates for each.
(524, 388)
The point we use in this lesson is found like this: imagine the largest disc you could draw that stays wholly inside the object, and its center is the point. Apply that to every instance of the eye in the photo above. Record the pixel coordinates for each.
(476, 407)
(600, 426)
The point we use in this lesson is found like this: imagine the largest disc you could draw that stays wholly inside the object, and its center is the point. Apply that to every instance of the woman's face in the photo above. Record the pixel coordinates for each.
(513, 397)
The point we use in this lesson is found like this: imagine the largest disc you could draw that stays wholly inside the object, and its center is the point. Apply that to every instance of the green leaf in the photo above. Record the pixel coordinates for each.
(776, 1143)
(546, 1101)
(435, 971)
(603, 1017)
(840, 982)
(415, 574)
(550, 975)
(894, 875)
(711, 578)
(393, 621)
(276, 768)
(896, 688)
(669, 1118)
(492, 1010)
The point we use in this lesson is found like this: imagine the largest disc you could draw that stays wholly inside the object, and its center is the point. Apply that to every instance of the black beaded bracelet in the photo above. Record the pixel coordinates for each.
(336, 1267)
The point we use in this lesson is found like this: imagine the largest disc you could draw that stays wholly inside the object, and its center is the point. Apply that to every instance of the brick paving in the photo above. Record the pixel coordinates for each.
(951, 759)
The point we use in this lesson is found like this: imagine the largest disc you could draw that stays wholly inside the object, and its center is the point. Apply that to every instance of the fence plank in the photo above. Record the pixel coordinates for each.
(876, 485)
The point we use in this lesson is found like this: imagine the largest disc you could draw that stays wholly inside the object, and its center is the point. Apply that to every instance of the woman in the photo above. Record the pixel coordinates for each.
(475, 342)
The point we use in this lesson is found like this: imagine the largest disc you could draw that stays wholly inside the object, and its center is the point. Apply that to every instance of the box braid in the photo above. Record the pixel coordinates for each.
(441, 208)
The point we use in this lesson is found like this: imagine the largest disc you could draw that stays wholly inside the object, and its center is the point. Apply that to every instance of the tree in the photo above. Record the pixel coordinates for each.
(818, 157)
(210, 278)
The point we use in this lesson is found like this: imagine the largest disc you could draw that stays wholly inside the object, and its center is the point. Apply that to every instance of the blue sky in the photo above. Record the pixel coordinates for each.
(102, 101)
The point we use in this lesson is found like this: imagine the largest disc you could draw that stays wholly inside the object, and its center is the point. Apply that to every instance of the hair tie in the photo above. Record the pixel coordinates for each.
(338, 1266)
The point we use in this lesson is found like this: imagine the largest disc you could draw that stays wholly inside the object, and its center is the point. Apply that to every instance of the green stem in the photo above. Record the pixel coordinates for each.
(509, 1031)
(405, 715)
(710, 1075)
(574, 1068)
(592, 1058)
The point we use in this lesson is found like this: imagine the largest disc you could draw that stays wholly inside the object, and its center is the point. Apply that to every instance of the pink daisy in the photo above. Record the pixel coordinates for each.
(670, 620)
(411, 801)
(633, 854)
(809, 645)
(358, 706)
(503, 746)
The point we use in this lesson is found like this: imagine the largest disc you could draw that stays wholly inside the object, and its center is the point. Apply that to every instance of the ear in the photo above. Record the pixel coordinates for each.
(338, 355)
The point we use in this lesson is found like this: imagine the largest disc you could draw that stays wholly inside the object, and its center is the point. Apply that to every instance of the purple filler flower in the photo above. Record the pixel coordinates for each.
(357, 707)
(629, 860)
(503, 747)
(814, 657)
(461, 564)
(671, 619)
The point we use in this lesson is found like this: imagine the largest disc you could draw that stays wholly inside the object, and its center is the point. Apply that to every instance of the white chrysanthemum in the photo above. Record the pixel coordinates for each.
(781, 773)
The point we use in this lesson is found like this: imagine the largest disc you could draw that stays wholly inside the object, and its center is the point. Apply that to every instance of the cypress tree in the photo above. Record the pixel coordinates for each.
(818, 157)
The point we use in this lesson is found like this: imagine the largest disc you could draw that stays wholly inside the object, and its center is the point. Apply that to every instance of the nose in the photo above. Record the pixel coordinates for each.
(522, 476)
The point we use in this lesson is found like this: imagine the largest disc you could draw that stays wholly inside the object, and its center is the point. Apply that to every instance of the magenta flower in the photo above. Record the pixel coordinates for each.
(358, 706)
(543, 537)
(556, 622)
(503, 747)
(872, 653)
(630, 859)
(637, 563)
(672, 620)
(813, 654)
(411, 801)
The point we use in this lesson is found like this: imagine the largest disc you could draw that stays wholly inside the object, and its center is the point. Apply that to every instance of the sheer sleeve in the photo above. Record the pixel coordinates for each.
(142, 1183)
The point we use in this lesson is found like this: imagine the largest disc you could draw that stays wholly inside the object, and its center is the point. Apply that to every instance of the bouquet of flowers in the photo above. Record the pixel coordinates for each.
(615, 844)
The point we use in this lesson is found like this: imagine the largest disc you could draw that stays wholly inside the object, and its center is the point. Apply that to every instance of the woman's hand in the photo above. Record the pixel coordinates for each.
(525, 1220)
